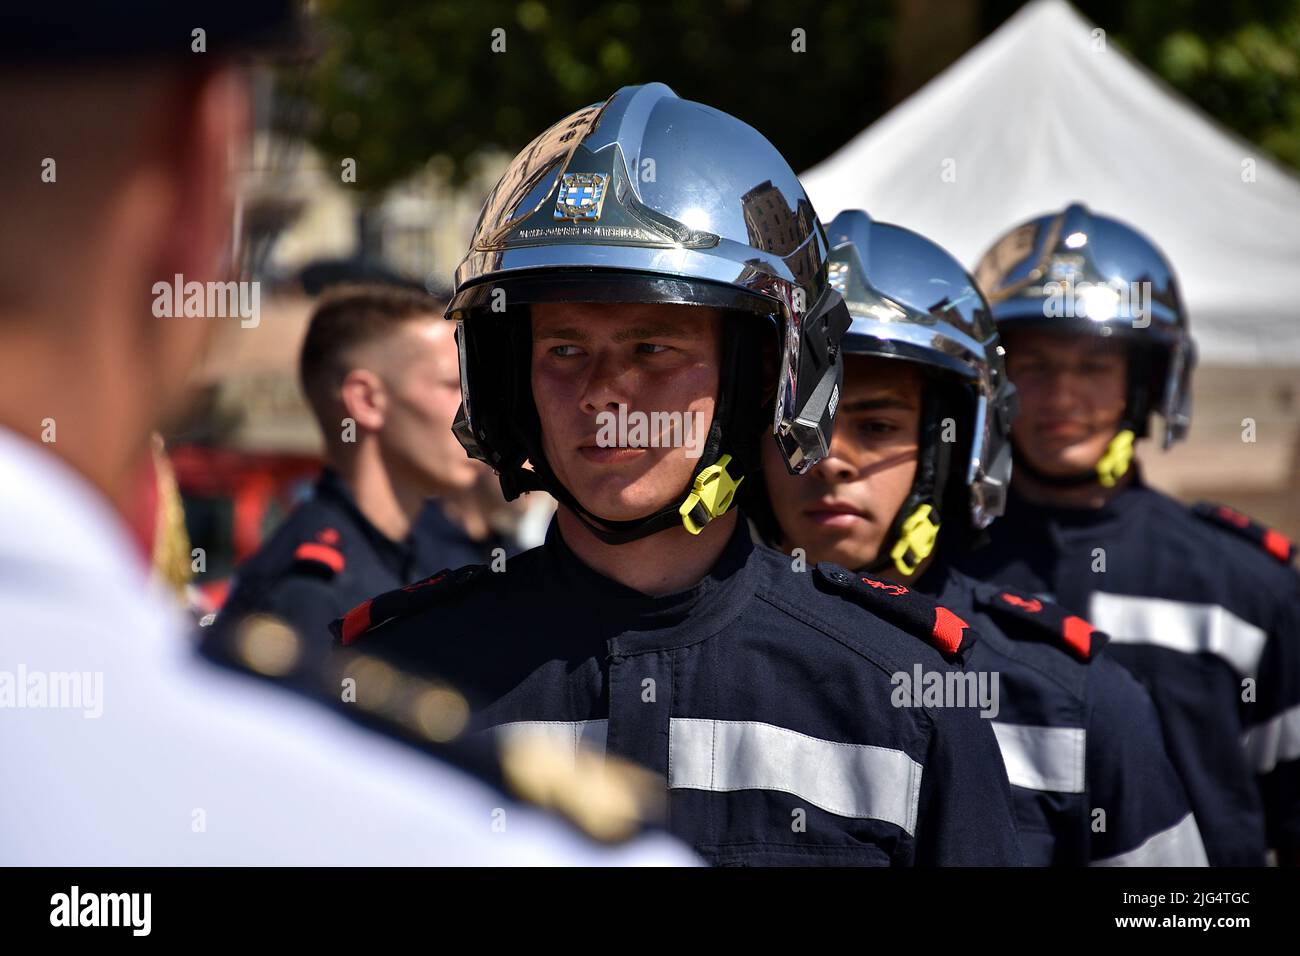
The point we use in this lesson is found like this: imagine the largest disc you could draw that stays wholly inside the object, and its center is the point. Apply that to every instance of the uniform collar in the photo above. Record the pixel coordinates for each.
(396, 555)
(938, 580)
(434, 532)
(1118, 510)
(634, 622)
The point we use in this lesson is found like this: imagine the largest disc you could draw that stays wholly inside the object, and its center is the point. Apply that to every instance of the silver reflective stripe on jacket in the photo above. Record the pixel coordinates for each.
(1274, 741)
(849, 780)
(1043, 758)
(571, 735)
(1180, 845)
(1179, 626)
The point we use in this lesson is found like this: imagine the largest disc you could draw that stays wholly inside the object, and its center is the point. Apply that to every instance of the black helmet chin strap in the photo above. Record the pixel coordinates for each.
(1113, 464)
(711, 492)
(915, 529)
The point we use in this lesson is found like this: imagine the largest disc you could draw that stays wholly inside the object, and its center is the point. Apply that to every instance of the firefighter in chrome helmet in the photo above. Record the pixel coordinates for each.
(913, 304)
(1087, 276)
(652, 256)
(1202, 604)
(622, 203)
(920, 462)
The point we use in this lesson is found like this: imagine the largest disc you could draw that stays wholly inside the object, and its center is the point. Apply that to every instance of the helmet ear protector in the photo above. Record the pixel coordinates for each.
(915, 530)
(935, 501)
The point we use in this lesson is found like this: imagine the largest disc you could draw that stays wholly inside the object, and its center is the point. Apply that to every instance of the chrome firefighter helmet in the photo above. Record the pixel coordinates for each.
(647, 197)
(1075, 271)
(911, 301)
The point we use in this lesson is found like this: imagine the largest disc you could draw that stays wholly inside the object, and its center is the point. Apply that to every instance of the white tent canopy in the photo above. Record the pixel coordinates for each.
(1047, 111)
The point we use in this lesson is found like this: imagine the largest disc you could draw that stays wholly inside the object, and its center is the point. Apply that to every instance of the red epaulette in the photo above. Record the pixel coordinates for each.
(905, 608)
(321, 554)
(403, 602)
(1274, 542)
(1028, 617)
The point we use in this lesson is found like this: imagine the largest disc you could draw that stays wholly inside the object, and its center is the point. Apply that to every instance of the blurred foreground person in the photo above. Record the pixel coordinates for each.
(120, 746)
(1202, 606)
(629, 346)
(919, 463)
(379, 369)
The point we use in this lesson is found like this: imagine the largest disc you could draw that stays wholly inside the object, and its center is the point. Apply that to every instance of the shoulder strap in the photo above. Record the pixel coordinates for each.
(1027, 617)
(905, 608)
(402, 602)
(1273, 542)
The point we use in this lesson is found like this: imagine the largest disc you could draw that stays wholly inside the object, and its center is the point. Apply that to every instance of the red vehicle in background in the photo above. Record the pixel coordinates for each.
(232, 500)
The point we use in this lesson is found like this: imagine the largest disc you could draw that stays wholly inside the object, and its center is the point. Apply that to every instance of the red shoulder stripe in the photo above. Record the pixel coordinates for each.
(948, 629)
(1077, 633)
(320, 553)
(356, 622)
(1277, 544)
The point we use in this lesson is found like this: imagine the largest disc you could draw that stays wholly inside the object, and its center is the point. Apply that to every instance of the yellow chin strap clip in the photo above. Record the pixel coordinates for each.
(711, 495)
(915, 540)
(1119, 455)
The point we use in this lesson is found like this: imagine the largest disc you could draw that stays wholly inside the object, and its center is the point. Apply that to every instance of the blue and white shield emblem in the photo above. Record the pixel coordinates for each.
(581, 196)
(1066, 269)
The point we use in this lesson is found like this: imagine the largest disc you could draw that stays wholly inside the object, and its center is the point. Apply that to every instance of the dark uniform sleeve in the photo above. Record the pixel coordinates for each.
(305, 604)
(1273, 729)
(308, 604)
(965, 816)
(1138, 813)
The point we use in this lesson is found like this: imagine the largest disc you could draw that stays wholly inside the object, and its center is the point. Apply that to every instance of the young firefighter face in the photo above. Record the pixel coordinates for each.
(843, 509)
(421, 392)
(660, 364)
(1072, 397)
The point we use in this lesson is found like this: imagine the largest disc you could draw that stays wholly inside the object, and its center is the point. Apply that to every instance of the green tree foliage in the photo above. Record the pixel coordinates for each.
(402, 81)
(399, 81)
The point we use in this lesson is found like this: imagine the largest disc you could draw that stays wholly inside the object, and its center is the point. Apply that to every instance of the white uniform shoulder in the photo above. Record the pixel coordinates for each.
(124, 748)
